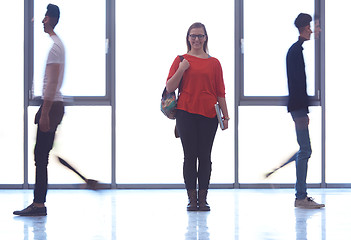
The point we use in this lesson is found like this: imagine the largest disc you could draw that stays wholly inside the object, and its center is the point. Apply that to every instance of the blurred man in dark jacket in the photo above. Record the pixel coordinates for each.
(298, 107)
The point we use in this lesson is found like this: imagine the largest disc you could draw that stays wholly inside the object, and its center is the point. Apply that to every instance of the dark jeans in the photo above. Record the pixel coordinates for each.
(197, 134)
(43, 146)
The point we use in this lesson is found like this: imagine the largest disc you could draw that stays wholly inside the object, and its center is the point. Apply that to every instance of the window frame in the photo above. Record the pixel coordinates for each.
(241, 100)
(240, 80)
(107, 100)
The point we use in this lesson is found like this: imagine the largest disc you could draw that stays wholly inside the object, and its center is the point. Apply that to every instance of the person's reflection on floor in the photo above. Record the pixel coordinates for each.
(301, 218)
(36, 225)
(197, 226)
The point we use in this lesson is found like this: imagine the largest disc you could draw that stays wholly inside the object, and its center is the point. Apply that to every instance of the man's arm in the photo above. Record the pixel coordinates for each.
(52, 72)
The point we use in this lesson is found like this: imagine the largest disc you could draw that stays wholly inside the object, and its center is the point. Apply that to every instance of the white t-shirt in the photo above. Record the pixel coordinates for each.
(56, 55)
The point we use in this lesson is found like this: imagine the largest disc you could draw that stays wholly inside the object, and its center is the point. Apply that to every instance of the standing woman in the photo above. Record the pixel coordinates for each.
(201, 88)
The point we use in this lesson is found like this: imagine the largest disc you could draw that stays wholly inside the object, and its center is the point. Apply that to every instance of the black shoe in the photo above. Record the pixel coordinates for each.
(31, 210)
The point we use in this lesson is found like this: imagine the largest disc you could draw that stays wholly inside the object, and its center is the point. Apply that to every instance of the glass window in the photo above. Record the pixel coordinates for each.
(146, 44)
(11, 97)
(83, 139)
(268, 35)
(267, 139)
(338, 87)
(82, 30)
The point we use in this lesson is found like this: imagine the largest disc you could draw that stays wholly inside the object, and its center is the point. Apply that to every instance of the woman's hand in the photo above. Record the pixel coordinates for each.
(225, 124)
(173, 83)
(184, 65)
(223, 105)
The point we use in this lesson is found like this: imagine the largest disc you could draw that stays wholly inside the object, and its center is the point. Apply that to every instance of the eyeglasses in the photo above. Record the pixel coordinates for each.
(194, 36)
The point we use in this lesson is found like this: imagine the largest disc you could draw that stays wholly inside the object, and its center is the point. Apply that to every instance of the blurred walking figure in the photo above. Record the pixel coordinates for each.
(196, 120)
(316, 32)
(298, 107)
(49, 115)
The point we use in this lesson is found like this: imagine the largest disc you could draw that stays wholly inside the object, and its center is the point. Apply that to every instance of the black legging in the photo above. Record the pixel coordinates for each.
(197, 134)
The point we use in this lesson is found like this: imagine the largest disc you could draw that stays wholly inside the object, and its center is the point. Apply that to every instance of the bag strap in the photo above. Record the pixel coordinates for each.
(180, 83)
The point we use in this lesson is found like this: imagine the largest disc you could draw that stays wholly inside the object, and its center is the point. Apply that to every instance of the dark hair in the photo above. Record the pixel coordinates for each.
(302, 20)
(197, 25)
(53, 12)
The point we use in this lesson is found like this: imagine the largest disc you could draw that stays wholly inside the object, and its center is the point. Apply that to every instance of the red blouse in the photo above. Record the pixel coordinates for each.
(201, 85)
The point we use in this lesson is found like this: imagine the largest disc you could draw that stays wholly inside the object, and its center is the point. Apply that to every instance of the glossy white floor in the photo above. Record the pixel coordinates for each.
(160, 214)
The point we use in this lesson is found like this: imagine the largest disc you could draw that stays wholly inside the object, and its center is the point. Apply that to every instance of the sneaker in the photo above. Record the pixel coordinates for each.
(307, 203)
(31, 210)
